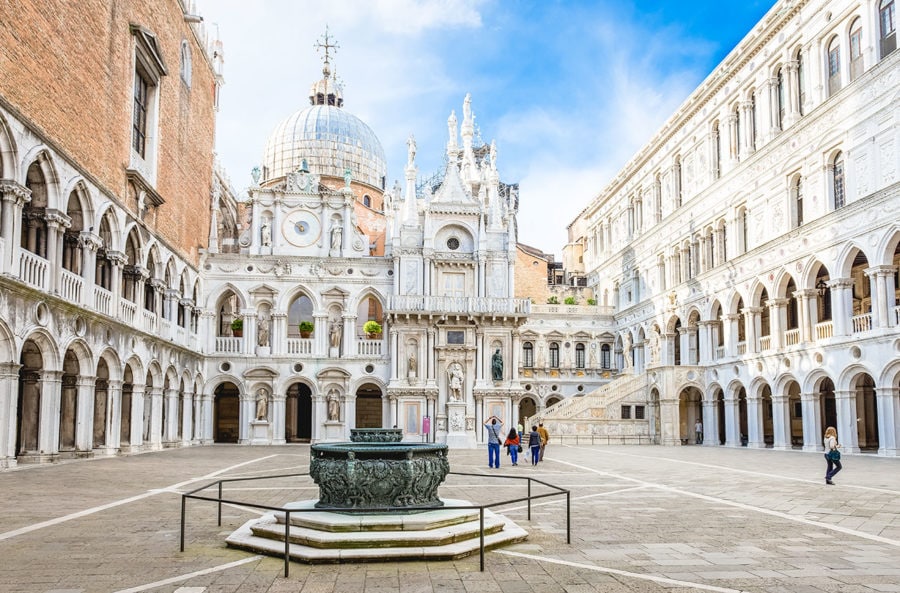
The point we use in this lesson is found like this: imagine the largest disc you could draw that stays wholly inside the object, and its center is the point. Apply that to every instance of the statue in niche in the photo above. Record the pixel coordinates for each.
(626, 350)
(262, 403)
(266, 233)
(334, 405)
(337, 239)
(654, 345)
(334, 334)
(412, 364)
(262, 332)
(455, 379)
(497, 366)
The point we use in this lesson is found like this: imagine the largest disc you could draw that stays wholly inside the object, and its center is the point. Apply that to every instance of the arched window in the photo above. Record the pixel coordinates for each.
(301, 309)
(661, 272)
(554, 355)
(797, 201)
(856, 59)
(528, 355)
(743, 229)
(801, 83)
(605, 356)
(834, 66)
(186, 63)
(837, 181)
(579, 356)
(888, 25)
(367, 201)
(780, 104)
(717, 151)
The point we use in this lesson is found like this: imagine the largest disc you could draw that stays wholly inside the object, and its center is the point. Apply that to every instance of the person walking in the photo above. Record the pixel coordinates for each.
(545, 438)
(512, 446)
(494, 426)
(832, 454)
(534, 445)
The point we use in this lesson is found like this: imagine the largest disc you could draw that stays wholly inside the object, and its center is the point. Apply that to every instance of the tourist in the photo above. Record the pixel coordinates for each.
(698, 429)
(512, 446)
(520, 429)
(534, 445)
(545, 438)
(494, 425)
(832, 455)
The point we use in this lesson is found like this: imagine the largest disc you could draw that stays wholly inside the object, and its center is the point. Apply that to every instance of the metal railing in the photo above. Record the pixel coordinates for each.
(219, 500)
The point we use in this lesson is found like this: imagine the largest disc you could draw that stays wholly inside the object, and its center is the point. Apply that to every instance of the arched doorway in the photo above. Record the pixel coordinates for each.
(527, 409)
(127, 391)
(866, 412)
(369, 407)
(68, 404)
(101, 393)
(298, 414)
(226, 413)
(795, 407)
(827, 406)
(768, 427)
(28, 410)
(742, 416)
(720, 415)
(690, 410)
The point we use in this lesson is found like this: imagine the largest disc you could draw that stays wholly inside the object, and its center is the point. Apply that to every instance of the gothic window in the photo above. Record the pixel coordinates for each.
(888, 27)
(605, 358)
(554, 355)
(186, 63)
(367, 201)
(856, 59)
(797, 201)
(834, 66)
(579, 356)
(34, 213)
(528, 355)
(837, 181)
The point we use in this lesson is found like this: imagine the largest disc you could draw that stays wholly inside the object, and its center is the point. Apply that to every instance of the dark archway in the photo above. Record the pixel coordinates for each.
(742, 416)
(527, 410)
(866, 412)
(28, 414)
(226, 413)
(768, 426)
(298, 414)
(795, 407)
(720, 415)
(827, 405)
(369, 407)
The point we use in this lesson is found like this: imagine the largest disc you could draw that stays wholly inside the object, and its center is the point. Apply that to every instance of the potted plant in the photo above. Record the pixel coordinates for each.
(592, 301)
(372, 329)
(552, 300)
(237, 327)
(570, 300)
(306, 328)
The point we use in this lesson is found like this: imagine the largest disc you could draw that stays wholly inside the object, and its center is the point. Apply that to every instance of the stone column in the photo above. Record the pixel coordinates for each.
(841, 305)
(812, 422)
(746, 147)
(733, 147)
(48, 431)
(710, 423)
(249, 340)
(807, 313)
(705, 343)
(848, 437)
(113, 416)
(278, 337)
(883, 301)
(781, 422)
(84, 413)
(348, 335)
(732, 423)
(279, 416)
(137, 416)
(479, 357)
(320, 335)
(755, 438)
(772, 127)
(89, 244)
(431, 334)
(187, 417)
(170, 430)
(57, 223)
(668, 351)
(117, 260)
(14, 197)
(731, 334)
(777, 321)
(888, 404)
(752, 328)
(791, 79)
(9, 379)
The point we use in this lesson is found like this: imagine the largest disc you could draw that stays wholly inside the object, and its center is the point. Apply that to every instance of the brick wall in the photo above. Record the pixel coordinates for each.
(68, 68)
(531, 277)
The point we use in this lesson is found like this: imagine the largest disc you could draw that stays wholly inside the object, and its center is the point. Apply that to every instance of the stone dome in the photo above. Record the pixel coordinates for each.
(330, 140)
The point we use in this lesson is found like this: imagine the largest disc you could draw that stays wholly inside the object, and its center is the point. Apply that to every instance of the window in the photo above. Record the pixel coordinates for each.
(743, 229)
(579, 356)
(626, 412)
(367, 201)
(676, 171)
(139, 123)
(639, 412)
(554, 355)
(186, 63)
(736, 133)
(752, 138)
(856, 60)
(837, 181)
(797, 201)
(801, 85)
(528, 355)
(717, 151)
(780, 104)
(454, 285)
(605, 356)
(834, 66)
(149, 69)
(888, 26)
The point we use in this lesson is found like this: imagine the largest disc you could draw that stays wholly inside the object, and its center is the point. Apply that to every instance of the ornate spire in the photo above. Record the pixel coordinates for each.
(326, 91)
(327, 46)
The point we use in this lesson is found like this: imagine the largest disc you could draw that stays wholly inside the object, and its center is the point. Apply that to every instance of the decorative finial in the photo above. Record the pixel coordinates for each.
(327, 46)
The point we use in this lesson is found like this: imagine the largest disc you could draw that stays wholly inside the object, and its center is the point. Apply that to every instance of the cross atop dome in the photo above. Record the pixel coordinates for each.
(327, 46)
(328, 90)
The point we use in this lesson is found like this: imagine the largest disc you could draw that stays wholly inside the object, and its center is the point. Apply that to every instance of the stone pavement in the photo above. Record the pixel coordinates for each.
(644, 519)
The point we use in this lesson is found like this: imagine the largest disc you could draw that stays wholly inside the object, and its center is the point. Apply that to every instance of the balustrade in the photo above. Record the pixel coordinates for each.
(765, 343)
(862, 323)
(149, 321)
(299, 345)
(33, 269)
(127, 310)
(70, 286)
(719, 353)
(228, 345)
(369, 347)
(103, 300)
(741, 348)
(792, 337)
(824, 330)
(459, 304)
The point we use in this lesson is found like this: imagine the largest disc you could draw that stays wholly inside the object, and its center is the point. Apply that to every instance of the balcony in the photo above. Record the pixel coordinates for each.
(741, 348)
(103, 300)
(765, 343)
(824, 330)
(466, 305)
(862, 323)
(70, 286)
(792, 337)
(300, 346)
(369, 347)
(127, 311)
(33, 269)
(228, 345)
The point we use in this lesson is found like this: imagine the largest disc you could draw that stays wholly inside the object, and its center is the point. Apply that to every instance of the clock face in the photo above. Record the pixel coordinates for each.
(301, 228)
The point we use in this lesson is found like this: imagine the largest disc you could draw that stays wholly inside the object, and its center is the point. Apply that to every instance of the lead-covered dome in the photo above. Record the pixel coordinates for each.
(330, 140)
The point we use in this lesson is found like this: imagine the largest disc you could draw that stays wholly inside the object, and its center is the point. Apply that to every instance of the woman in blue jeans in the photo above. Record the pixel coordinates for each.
(534, 443)
(512, 445)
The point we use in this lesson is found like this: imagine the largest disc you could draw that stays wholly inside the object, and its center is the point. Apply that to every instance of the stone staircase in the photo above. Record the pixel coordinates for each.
(326, 537)
(598, 413)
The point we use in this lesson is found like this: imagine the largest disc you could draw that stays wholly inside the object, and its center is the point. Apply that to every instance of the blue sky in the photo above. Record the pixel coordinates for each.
(569, 90)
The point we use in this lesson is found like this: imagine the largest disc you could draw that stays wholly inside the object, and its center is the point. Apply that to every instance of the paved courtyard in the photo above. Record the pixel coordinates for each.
(644, 519)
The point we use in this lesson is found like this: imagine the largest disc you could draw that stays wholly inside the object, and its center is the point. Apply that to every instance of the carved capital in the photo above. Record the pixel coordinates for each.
(11, 191)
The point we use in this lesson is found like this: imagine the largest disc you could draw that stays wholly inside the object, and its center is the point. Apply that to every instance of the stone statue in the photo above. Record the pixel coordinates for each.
(411, 151)
(467, 108)
(654, 345)
(455, 381)
(266, 233)
(348, 177)
(626, 350)
(337, 239)
(262, 403)
(334, 405)
(335, 334)
(497, 366)
(254, 175)
(413, 364)
(262, 332)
